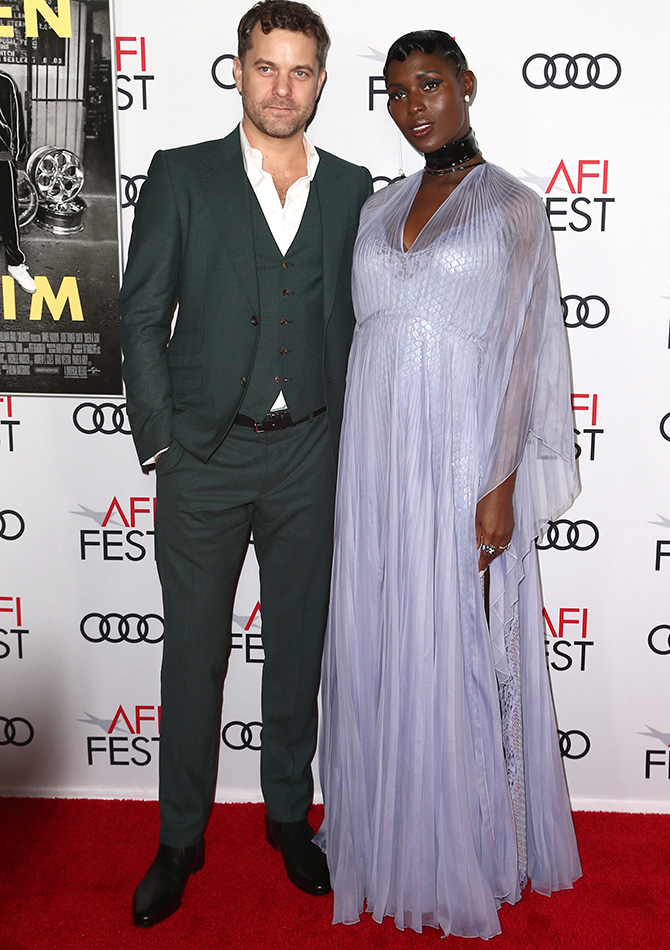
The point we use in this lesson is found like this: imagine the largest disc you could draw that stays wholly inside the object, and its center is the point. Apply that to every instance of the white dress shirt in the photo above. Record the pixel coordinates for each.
(283, 220)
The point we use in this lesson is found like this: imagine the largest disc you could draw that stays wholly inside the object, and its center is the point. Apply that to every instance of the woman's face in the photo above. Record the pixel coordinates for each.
(426, 99)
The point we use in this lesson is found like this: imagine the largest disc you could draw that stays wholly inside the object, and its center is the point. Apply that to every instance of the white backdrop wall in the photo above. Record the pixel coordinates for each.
(80, 606)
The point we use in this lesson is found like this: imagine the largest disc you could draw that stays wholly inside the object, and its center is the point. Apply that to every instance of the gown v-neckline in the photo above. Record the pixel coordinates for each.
(404, 248)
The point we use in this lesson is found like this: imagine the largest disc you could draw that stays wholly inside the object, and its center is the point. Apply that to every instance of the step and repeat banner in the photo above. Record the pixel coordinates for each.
(572, 101)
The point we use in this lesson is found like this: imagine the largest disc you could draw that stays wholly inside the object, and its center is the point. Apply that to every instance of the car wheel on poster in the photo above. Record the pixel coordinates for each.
(58, 177)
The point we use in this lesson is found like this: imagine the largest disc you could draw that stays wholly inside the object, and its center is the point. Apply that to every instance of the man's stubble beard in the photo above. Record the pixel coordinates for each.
(280, 127)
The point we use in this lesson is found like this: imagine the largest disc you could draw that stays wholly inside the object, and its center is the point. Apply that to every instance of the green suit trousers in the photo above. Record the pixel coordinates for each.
(280, 486)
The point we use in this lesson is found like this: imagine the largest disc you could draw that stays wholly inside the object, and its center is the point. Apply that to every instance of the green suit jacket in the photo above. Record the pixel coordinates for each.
(192, 246)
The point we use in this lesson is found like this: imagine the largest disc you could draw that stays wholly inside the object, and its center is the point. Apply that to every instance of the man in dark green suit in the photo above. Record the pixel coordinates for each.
(252, 237)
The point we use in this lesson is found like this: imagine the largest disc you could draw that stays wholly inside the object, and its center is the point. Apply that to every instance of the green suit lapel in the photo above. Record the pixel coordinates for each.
(228, 191)
(333, 233)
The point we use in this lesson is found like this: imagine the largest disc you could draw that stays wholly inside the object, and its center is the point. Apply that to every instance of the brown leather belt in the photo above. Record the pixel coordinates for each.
(274, 420)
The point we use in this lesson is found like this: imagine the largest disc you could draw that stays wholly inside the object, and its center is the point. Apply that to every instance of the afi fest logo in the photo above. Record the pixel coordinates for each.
(8, 423)
(567, 652)
(131, 53)
(131, 736)
(662, 544)
(125, 532)
(657, 761)
(376, 85)
(12, 632)
(585, 438)
(128, 738)
(248, 637)
(588, 180)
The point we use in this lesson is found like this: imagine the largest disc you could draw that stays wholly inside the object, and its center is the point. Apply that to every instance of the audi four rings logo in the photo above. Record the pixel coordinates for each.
(106, 418)
(116, 628)
(574, 744)
(660, 644)
(130, 189)
(561, 70)
(16, 731)
(12, 525)
(241, 735)
(591, 311)
(578, 536)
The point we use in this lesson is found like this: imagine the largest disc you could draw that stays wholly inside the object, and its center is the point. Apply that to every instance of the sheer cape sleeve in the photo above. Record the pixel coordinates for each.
(525, 405)
(529, 352)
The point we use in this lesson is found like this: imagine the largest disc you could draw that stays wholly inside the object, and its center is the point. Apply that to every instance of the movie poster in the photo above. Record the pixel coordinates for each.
(59, 326)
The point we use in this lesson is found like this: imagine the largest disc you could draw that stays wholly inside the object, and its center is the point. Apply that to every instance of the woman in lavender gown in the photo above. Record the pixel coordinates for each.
(441, 772)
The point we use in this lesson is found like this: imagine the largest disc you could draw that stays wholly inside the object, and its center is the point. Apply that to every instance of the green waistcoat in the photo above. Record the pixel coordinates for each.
(291, 333)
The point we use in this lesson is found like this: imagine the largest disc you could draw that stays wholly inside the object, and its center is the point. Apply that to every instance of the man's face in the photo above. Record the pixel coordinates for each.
(280, 81)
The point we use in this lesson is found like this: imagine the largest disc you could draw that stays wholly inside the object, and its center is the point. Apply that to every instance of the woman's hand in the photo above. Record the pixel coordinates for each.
(494, 521)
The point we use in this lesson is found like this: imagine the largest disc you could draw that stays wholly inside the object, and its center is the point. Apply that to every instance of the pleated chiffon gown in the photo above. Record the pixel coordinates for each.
(440, 766)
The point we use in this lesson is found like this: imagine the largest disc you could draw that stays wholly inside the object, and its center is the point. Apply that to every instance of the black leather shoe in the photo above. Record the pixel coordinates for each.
(160, 891)
(305, 862)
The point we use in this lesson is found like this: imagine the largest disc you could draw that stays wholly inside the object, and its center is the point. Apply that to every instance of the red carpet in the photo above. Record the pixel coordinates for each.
(69, 869)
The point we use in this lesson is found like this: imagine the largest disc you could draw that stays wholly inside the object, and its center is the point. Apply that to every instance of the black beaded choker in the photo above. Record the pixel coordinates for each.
(452, 156)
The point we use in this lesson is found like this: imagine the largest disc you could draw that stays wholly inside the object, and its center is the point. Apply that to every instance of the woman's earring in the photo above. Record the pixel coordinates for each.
(401, 170)
(466, 97)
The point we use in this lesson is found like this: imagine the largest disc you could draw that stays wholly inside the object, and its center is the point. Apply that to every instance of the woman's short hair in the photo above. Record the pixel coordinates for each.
(283, 15)
(427, 41)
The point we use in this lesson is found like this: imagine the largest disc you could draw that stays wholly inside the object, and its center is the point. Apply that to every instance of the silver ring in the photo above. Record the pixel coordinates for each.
(504, 547)
(489, 549)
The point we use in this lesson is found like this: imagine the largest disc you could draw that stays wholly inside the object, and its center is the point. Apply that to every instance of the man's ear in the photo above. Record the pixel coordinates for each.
(237, 73)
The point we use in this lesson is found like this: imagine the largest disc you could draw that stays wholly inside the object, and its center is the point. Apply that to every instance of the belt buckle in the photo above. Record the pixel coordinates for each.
(274, 421)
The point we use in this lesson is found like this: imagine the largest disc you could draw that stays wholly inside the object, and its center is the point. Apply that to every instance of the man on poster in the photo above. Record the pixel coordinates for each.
(252, 236)
(13, 149)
